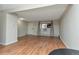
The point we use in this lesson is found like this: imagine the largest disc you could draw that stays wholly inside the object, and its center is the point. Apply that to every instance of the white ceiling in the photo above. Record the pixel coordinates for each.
(19, 7)
(53, 12)
(35, 12)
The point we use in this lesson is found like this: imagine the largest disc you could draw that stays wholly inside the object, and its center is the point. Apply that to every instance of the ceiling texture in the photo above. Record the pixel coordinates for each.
(37, 12)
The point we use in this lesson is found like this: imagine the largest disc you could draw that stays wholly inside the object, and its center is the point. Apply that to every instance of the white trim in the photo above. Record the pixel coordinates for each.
(1, 43)
(64, 42)
(8, 43)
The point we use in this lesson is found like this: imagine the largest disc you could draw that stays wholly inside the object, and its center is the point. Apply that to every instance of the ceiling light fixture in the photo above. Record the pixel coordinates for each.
(21, 18)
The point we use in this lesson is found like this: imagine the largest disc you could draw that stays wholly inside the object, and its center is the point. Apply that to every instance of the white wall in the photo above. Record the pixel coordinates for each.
(32, 28)
(56, 27)
(27, 28)
(8, 28)
(69, 28)
(11, 29)
(22, 28)
(2, 27)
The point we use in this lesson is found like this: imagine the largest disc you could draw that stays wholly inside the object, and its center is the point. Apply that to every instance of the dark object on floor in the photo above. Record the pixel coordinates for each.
(64, 52)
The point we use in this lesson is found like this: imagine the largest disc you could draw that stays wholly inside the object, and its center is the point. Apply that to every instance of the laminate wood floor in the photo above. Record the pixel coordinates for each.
(32, 45)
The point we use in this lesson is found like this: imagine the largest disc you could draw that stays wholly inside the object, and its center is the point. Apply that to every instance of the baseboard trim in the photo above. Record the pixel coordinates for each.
(42, 35)
(10, 43)
(64, 42)
(21, 35)
(4, 44)
(1, 43)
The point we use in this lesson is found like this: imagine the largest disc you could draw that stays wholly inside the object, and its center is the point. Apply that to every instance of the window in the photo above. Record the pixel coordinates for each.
(44, 26)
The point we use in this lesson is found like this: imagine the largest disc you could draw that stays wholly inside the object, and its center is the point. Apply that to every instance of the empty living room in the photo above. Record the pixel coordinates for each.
(39, 29)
